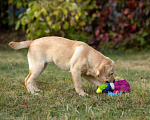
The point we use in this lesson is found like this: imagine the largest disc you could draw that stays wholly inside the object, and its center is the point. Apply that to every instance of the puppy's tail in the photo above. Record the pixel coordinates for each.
(19, 45)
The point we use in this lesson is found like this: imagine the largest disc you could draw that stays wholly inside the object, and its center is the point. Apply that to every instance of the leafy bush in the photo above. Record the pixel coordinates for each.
(123, 23)
(58, 17)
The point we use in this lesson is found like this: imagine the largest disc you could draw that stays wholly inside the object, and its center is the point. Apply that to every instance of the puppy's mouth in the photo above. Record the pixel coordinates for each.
(107, 82)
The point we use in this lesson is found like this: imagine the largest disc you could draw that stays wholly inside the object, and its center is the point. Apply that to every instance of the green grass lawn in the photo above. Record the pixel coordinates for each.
(59, 99)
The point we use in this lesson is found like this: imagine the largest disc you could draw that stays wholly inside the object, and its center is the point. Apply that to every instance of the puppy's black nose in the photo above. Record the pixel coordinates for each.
(114, 81)
(107, 82)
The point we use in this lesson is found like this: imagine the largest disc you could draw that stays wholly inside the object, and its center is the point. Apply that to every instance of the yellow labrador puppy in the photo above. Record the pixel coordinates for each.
(73, 56)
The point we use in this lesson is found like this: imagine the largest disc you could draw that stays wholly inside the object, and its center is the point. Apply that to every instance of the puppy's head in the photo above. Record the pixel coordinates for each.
(106, 71)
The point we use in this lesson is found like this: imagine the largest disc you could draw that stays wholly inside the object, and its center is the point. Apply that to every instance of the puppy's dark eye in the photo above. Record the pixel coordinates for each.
(111, 73)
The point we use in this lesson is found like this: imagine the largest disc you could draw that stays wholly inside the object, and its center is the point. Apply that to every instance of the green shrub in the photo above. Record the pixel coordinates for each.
(59, 17)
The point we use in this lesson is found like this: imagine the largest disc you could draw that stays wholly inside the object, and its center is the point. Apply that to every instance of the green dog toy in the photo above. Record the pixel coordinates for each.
(101, 88)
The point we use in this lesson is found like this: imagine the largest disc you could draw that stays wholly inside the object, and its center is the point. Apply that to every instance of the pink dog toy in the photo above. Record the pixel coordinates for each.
(121, 85)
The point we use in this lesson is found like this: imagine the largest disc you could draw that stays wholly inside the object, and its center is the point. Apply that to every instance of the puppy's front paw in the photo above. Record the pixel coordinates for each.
(83, 94)
(38, 90)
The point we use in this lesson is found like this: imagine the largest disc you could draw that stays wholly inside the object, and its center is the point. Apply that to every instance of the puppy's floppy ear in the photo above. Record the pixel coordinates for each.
(100, 70)
(103, 68)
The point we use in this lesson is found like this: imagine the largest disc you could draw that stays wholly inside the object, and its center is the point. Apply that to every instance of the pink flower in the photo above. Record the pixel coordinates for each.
(126, 11)
(97, 32)
(104, 37)
(131, 4)
(140, 5)
(133, 27)
(126, 23)
(117, 37)
(131, 15)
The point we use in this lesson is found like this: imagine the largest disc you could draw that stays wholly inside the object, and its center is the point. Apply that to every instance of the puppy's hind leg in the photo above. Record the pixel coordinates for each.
(36, 67)
(26, 80)
(34, 82)
(30, 80)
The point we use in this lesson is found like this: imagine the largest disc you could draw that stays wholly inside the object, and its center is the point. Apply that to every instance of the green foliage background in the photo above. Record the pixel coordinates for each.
(60, 17)
(105, 24)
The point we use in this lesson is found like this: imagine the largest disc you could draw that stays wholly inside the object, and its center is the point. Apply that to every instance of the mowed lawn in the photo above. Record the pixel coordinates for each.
(60, 101)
